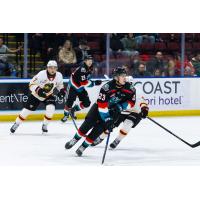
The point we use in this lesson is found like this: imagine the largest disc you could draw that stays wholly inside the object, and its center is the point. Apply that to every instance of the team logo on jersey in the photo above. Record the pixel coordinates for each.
(83, 70)
(106, 87)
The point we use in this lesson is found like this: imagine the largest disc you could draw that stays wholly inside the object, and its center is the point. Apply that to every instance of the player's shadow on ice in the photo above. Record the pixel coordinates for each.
(140, 149)
(60, 135)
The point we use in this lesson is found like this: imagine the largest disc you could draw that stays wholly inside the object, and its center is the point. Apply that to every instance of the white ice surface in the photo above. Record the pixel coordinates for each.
(147, 144)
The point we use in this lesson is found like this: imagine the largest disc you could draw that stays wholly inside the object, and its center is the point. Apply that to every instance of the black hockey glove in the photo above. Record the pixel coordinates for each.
(41, 92)
(144, 112)
(116, 110)
(97, 82)
(109, 124)
(62, 93)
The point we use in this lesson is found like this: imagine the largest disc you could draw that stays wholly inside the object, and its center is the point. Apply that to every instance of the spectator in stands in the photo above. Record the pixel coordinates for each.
(116, 46)
(67, 58)
(156, 63)
(50, 47)
(141, 71)
(6, 69)
(135, 61)
(82, 50)
(145, 37)
(195, 62)
(170, 71)
(188, 71)
(4, 49)
(129, 45)
(36, 43)
(157, 73)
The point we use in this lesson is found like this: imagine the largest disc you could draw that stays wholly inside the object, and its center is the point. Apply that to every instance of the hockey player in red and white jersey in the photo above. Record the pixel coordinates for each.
(42, 87)
(130, 119)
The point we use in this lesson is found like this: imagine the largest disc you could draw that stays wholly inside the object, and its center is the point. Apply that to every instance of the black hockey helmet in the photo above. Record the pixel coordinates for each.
(88, 57)
(119, 71)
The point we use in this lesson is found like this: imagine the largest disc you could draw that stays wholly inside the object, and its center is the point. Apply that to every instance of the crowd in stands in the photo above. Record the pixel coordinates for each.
(143, 54)
(7, 68)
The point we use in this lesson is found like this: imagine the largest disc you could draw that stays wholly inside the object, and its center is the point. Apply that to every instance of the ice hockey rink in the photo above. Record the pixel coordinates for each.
(145, 145)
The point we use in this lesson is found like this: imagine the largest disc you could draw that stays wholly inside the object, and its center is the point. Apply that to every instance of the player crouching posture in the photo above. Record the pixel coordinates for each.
(130, 119)
(76, 88)
(42, 87)
(98, 119)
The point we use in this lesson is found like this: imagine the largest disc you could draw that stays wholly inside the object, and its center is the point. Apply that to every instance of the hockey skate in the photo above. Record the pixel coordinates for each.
(80, 150)
(64, 119)
(14, 127)
(44, 129)
(114, 144)
(97, 141)
(71, 143)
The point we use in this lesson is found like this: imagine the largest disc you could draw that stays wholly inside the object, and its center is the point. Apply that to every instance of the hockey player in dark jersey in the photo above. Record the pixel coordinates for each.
(116, 92)
(130, 119)
(76, 88)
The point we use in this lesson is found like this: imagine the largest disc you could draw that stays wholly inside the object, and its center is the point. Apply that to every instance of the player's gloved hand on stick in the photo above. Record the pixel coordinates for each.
(109, 124)
(97, 82)
(144, 112)
(116, 110)
(62, 93)
(41, 92)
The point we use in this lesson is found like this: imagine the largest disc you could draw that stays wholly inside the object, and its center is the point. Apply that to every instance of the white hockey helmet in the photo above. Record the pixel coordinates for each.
(52, 63)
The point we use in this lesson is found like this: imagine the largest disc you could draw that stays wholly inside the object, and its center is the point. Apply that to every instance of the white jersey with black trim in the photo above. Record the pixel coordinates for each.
(42, 79)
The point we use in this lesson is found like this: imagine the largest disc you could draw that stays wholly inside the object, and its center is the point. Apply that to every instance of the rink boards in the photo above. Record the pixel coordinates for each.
(166, 97)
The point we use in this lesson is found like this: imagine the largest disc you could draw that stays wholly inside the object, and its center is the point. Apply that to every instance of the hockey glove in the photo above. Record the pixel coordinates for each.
(109, 124)
(116, 110)
(41, 92)
(97, 82)
(144, 112)
(62, 93)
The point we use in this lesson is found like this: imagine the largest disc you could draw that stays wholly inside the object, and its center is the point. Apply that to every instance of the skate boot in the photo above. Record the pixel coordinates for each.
(64, 119)
(97, 141)
(80, 150)
(66, 116)
(114, 144)
(71, 143)
(44, 129)
(14, 127)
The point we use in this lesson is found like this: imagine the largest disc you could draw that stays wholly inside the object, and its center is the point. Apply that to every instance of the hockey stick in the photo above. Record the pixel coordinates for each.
(106, 147)
(191, 145)
(73, 120)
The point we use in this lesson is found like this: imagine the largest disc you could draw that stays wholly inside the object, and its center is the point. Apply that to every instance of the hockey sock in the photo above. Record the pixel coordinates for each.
(125, 129)
(50, 109)
(122, 134)
(87, 142)
(23, 115)
(79, 135)
(103, 135)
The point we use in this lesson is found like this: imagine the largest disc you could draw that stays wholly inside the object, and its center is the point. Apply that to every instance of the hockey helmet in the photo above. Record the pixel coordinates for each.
(119, 71)
(88, 57)
(52, 63)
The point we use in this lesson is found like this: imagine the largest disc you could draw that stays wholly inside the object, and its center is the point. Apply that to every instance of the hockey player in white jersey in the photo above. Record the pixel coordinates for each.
(130, 119)
(42, 88)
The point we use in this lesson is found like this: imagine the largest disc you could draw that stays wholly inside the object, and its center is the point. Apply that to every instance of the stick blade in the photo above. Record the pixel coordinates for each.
(196, 144)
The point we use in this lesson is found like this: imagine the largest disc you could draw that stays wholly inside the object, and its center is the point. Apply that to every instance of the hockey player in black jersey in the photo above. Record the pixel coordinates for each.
(130, 119)
(76, 88)
(116, 93)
